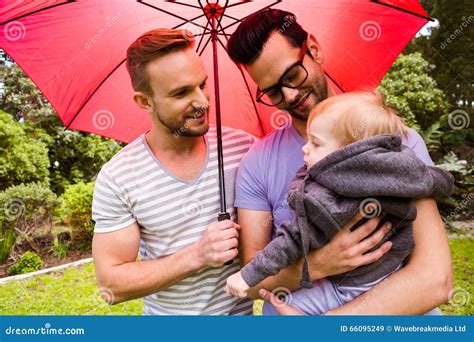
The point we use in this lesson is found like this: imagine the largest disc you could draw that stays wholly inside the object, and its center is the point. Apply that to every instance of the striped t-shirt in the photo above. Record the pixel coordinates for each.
(173, 213)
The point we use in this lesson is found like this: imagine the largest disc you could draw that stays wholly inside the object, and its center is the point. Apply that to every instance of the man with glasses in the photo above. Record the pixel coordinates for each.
(292, 78)
(287, 64)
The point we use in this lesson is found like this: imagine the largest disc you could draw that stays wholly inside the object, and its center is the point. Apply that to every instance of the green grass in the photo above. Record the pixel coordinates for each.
(74, 291)
(462, 303)
(69, 292)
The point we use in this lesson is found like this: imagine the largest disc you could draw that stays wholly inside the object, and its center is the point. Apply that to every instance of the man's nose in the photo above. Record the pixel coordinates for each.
(290, 94)
(201, 99)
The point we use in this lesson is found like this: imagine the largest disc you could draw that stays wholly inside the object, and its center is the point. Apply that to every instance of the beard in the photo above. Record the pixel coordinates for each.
(318, 90)
(187, 126)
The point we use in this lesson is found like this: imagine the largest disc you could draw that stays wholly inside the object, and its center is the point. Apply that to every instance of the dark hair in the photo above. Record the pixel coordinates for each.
(248, 40)
(150, 45)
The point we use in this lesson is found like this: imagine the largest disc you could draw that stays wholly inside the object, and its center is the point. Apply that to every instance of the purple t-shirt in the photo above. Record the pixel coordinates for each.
(268, 167)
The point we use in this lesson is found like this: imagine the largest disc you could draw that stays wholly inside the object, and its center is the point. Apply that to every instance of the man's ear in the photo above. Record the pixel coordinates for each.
(315, 49)
(143, 101)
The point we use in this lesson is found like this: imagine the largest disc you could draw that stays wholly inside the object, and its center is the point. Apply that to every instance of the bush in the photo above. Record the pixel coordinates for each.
(74, 156)
(77, 207)
(7, 241)
(459, 205)
(409, 88)
(26, 208)
(59, 248)
(23, 159)
(77, 157)
(29, 262)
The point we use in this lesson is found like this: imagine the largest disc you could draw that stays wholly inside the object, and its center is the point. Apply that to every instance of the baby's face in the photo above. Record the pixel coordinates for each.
(320, 141)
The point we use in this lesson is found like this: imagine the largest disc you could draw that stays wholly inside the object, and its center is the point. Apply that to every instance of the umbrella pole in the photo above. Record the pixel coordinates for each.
(223, 214)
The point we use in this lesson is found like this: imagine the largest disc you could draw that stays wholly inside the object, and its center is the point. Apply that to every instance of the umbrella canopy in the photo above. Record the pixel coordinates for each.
(74, 51)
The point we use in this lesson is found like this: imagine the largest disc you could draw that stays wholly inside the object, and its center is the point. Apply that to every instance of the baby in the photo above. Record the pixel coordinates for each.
(354, 162)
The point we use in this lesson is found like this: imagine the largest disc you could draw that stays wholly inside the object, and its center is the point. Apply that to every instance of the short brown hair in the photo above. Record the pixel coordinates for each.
(362, 114)
(150, 45)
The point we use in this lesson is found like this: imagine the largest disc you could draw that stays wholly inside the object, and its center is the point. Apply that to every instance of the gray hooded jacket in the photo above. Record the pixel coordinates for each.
(378, 170)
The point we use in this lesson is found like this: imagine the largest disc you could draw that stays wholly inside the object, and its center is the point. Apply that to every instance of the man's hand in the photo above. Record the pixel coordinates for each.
(218, 244)
(237, 286)
(348, 249)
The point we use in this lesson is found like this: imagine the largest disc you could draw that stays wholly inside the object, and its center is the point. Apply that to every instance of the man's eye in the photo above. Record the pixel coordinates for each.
(315, 145)
(181, 93)
(203, 85)
(272, 93)
(290, 77)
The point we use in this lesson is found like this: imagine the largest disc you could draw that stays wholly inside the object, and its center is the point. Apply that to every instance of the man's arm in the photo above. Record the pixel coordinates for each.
(345, 252)
(424, 283)
(125, 278)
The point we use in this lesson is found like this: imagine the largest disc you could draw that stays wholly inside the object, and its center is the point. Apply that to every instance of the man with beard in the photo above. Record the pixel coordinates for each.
(160, 194)
(286, 64)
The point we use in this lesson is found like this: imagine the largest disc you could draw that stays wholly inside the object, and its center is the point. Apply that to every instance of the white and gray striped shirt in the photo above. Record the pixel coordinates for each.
(172, 213)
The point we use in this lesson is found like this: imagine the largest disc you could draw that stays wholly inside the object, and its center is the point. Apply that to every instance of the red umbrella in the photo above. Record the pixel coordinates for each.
(75, 52)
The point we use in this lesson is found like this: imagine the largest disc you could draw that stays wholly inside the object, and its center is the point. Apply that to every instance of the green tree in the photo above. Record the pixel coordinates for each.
(74, 156)
(450, 52)
(410, 89)
(449, 49)
(23, 159)
(77, 207)
(21, 98)
(77, 157)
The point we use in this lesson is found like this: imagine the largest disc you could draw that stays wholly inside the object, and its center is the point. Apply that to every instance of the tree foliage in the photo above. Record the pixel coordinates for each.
(74, 156)
(23, 159)
(410, 89)
(449, 49)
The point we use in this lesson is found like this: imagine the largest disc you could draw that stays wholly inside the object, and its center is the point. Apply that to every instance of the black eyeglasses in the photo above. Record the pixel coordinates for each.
(295, 76)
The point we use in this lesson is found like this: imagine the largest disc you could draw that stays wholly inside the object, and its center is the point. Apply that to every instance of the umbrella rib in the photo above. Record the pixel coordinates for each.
(92, 94)
(37, 11)
(223, 33)
(242, 19)
(244, 3)
(190, 21)
(220, 18)
(248, 90)
(222, 14)
(228, 16)
(172, 14)
(182, 3)
(208, 21)
(403, 10)
(204, 11)
(202, 37)
(204, 47)
(223, 11)
(334, 81)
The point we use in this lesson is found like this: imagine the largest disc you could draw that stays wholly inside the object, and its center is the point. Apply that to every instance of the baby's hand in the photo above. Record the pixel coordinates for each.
(237, 286)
